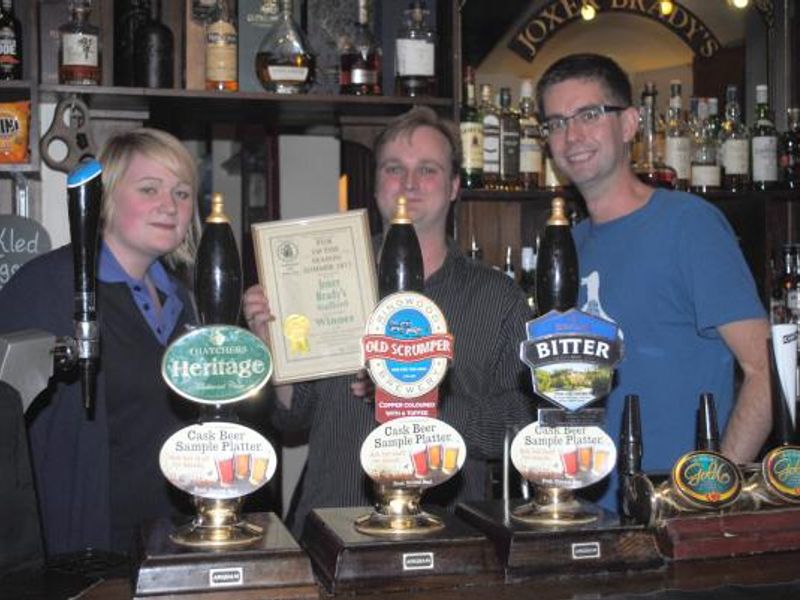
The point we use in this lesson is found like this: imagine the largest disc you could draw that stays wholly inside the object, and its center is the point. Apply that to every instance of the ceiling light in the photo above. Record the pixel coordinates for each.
(666, 7)
(740, 4)
(588, 12)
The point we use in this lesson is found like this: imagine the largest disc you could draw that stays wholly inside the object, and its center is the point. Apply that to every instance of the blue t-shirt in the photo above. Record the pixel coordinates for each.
(668, 274)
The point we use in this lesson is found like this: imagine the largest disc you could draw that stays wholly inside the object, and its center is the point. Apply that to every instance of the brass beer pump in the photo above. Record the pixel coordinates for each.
(700, 481)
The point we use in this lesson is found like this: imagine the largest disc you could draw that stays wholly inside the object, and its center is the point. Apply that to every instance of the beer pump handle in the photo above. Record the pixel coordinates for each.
(783, 427)
(84, 197)
(218, 270)
(707, 432)
(631, 439)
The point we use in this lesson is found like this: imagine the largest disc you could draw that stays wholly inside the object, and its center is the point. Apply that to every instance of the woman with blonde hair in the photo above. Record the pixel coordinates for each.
(98, 479)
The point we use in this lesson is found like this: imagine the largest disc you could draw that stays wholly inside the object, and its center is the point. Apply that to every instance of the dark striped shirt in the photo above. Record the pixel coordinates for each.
(482, 394)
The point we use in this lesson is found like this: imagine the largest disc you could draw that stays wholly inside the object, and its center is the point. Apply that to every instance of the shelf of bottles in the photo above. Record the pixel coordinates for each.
(281, 86)
(717, 157)
(17, 89)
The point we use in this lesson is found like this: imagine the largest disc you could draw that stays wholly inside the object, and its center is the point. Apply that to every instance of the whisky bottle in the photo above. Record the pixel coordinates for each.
(490, 118)
(129, 17)
(222, 47)
(509, 142)
(475, 251)
(415, 54)
(400, 268)
(218, 270)
(508, 265)
(79, 49)
(530, 140)
(10, 43)
(557, 264)
(650, 169)
(527, 276)
(361, 59)
(705, 173)
(554, 179)
(734, 145)
(678, 143)
(471, 136)
(764, 144)
(154, 50)
(285, 62)
(790, 151)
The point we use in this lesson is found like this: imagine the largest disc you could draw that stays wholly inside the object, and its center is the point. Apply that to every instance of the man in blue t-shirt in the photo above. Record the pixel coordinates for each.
(665, 266)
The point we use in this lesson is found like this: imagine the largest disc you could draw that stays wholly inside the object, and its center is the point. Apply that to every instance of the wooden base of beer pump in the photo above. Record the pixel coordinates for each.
(398, 512)
(556, 506)
(218, 524)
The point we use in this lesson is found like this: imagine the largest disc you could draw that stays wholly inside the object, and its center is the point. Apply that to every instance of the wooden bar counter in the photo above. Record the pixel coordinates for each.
(764, 577)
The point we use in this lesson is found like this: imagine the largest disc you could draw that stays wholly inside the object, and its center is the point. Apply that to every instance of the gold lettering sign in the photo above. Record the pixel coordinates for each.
(531, 36)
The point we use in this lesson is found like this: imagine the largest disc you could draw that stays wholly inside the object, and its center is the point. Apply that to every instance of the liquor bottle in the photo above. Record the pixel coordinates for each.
(10, 43)
(490, 118)
(218, 270)
(790, 151)
(764, 144)
(285, 62)
(530, 140)
(471, 135)
(154, 51)
(509, 142)
(527, 276)
(79, 49)
(361, 58)
(222, 48)
(554, 179)
(556, 264)
(650, 169)
(129, 17)
(415, 54)
(734, 145)
(788, 287)
(400, 268)
(715, 123)
(678, 142)
(705, 172)
(475, 251)
(508, 265)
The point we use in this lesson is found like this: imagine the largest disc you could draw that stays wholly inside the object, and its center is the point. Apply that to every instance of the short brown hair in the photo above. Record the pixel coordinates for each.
(422, 116)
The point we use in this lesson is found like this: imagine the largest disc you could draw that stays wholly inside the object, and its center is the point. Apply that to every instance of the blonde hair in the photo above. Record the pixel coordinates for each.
(168, 150)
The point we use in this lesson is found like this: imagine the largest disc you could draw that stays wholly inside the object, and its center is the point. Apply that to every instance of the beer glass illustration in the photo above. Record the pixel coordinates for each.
(585, 458)
(450, 459)
(419, 458)
(600, 461)
(435, 457)
(570, 462)
(259, 469)
(242, 466)
(225, 468)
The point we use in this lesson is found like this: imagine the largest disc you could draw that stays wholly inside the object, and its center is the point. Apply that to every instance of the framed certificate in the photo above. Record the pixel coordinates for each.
(320, 277)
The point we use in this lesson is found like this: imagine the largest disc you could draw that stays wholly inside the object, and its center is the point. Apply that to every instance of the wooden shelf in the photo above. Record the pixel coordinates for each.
(263, 107)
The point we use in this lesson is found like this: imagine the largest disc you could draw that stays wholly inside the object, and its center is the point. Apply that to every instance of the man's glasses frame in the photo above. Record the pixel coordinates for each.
(587, 116)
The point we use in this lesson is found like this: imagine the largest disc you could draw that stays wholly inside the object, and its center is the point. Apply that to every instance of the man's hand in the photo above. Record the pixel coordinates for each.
(257, 312)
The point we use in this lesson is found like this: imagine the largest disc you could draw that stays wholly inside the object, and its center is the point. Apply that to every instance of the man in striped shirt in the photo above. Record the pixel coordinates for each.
(418, 156)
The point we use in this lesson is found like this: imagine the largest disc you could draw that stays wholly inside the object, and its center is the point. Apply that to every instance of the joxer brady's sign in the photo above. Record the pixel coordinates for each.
(572, 356)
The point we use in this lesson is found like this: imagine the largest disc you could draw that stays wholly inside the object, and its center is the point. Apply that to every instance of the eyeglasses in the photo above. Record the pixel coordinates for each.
(589, 115)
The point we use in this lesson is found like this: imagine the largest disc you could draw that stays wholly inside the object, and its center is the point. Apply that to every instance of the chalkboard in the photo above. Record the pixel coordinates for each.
(21, 239)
